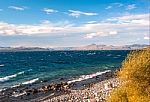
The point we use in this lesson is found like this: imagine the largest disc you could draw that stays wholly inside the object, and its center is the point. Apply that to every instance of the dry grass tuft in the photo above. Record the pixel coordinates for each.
(136, 72)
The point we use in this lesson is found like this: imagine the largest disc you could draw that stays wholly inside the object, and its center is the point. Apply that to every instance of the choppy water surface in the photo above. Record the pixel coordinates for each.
(29, 67)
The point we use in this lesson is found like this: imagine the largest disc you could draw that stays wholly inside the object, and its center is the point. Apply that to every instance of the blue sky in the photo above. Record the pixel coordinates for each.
(52, 23)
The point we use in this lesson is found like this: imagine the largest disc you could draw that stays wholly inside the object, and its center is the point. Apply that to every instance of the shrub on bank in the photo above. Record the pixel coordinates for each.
(135, 71)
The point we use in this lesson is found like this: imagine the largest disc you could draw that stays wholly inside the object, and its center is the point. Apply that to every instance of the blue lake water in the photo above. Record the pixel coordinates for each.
(28, 67)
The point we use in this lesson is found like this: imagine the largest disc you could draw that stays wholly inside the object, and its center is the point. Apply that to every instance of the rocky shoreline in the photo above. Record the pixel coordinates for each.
(97, 92)
(63, 91)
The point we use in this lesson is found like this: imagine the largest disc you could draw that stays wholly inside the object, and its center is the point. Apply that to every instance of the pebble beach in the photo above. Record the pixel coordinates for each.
(92, 89)
(94, 93)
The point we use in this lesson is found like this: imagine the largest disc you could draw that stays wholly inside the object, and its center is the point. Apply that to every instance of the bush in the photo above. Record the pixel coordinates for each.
(135, 71)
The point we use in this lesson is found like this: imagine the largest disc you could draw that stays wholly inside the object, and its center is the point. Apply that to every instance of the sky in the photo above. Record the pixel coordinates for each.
(58, 23)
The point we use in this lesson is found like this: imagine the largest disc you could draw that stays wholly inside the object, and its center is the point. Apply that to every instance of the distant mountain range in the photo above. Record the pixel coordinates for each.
(104, 47)
(24, 49)
(88, 47)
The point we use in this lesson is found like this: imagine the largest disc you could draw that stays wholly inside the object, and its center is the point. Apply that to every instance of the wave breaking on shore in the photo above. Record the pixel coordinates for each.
(84, 77)
(30, 81)
(6, 78)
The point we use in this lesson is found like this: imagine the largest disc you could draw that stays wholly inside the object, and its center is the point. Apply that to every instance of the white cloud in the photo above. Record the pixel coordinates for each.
(17, 8)
(99, 34)
(130, 7)
(44, 28)
(49, 11)
(134, 19)
(89, 22)
(1, 9)
(91, 35)
(79, 13)
(108, 7)
(118, 4)
(114, 5)
(131, 24)
(113, 32)
(45, 21)
(146, 38)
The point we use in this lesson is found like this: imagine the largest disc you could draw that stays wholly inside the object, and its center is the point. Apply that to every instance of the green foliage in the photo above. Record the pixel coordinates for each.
(135, 72)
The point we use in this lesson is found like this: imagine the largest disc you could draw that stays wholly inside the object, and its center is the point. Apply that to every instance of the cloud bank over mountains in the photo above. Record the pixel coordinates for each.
(112, 26)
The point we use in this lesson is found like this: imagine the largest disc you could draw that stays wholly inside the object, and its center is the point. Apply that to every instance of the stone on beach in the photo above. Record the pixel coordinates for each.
(94, 93)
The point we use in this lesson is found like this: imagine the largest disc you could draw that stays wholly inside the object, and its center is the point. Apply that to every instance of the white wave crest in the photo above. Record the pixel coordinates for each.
(6, 78)
(2, 65)
(91, 53)
(15, 86)
(30, 81)
(29, 70)
(84, 77)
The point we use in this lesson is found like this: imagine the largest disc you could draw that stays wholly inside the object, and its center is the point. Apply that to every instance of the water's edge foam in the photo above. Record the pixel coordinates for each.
(30, 81)
(81, 78)
(85, 77)
(6, 78)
